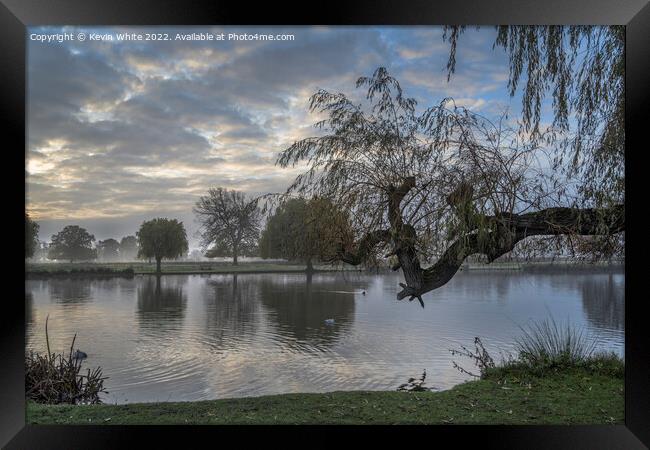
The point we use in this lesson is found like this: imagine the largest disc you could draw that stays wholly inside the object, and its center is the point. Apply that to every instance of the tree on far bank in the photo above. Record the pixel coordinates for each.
(31, 236)
(305, 230)
(41, 251)
(229, 223)
(162, 238)
(223, 250)
(108, 250)
(72, 243)
(128, 248)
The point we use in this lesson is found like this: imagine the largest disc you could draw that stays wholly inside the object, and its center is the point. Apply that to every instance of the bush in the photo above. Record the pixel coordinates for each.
(55, 378)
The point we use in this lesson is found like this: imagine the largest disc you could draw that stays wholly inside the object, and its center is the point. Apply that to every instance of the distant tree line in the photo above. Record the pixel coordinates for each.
(302, 230)
(156, 239)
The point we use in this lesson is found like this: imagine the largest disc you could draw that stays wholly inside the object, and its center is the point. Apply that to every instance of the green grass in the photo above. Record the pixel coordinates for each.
(607, 365)
(579, 395)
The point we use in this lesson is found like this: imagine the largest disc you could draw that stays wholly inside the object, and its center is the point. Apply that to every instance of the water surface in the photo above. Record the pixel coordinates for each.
(196, 337)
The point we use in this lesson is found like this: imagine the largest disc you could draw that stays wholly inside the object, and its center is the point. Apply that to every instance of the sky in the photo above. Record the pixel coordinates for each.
(121, 132)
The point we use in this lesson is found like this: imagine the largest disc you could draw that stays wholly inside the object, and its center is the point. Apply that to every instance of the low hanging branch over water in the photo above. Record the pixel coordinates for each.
(442, 185)
(502, 233)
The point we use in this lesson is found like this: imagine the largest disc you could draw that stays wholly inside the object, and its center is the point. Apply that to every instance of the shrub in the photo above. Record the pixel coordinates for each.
(415, 385)
(480, 356)
(544, 347)
(546, 344)
(55, 378)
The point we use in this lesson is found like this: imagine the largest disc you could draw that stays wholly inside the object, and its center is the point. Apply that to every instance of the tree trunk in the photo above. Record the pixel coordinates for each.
(158, 265)
(310, 267)
(234, 258)
(498, 236)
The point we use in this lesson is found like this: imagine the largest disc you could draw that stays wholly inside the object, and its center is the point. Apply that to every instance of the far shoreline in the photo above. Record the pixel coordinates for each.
(131, 269)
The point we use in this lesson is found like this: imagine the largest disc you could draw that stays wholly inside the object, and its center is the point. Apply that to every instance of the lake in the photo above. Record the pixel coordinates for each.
(198, 337)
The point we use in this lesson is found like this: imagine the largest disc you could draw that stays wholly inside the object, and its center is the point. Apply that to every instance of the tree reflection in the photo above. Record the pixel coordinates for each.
(161, 301)
(603, 301)
(232, 305)
(68, 290)
(301, 306)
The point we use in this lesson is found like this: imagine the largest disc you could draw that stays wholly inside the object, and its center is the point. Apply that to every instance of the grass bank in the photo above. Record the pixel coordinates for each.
(580, 395)
(168, 268)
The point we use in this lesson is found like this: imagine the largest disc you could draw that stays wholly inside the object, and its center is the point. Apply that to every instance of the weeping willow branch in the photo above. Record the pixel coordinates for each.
(505, 231)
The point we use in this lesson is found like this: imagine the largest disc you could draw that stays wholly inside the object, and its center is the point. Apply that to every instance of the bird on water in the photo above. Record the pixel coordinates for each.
(79, 355)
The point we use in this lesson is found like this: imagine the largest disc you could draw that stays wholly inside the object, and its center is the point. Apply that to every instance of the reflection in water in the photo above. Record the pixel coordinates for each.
(603, 301)
(231, 307)
(183, 338)
(161, 302)
(484, 284)
(70, 290)
(29, 308)
(300, 307)
(29, 314)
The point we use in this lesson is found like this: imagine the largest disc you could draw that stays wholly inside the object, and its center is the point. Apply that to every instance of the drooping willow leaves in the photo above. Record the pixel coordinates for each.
(582, 70)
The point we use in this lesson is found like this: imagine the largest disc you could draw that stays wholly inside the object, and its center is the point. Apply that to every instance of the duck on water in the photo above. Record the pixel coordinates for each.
(79, 355)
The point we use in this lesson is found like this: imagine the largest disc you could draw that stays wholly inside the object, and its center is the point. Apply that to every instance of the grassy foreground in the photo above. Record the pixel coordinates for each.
(571, 396)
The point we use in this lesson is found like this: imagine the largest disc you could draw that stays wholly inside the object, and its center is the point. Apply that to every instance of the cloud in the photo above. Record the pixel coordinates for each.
(118, 132)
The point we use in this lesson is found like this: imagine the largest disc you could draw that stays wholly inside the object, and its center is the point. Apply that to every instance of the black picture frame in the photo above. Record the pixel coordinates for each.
(15, 15)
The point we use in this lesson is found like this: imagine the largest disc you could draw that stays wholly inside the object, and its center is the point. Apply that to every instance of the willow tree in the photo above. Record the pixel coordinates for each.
(434, 186)
(161, 238)
(582, 69)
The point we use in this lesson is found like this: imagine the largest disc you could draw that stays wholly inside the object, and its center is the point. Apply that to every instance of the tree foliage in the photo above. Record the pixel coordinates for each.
(108, 250)
(128, 248)
(229, 223)
(72, 243)
(31, 236)
(303, 230)
(162, 238)
(438, 184)
(582, 70)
